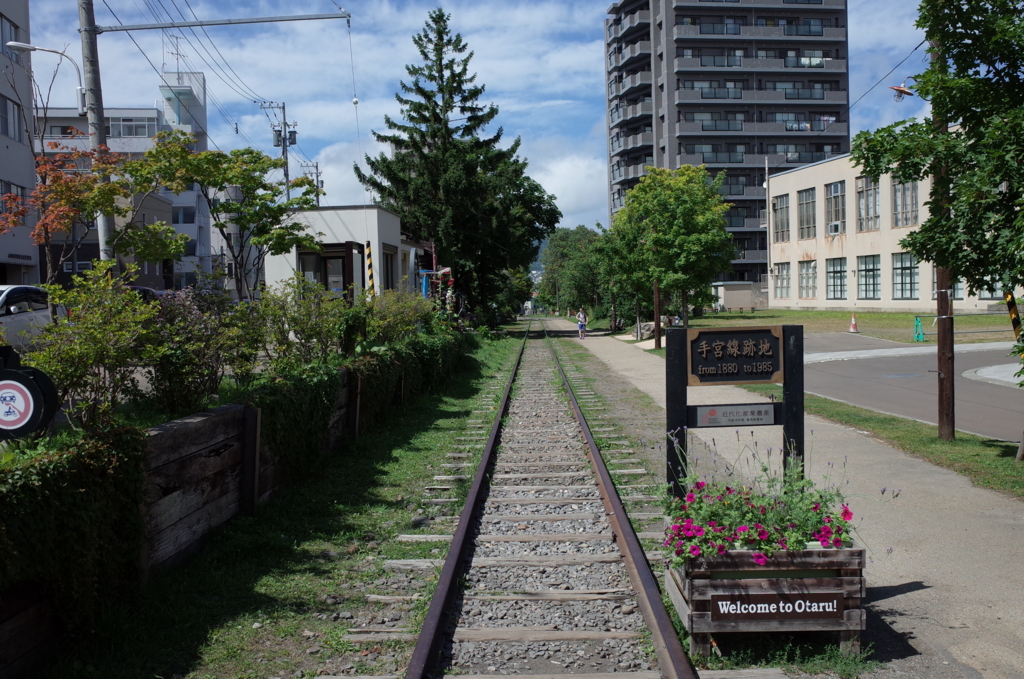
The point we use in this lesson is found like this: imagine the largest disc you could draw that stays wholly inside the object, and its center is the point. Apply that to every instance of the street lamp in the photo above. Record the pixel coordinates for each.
(79, 91)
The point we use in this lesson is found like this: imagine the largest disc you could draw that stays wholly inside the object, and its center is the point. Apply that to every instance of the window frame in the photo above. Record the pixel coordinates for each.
(904, 204)
(865, 285)
(835, 204)
(780, 214)
(835, 278)
(807, 272)
(906, 272)
(868, 205)
(783, 280)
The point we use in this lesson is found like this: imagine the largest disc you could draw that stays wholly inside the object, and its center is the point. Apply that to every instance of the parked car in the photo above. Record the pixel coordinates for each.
(147, 294)
(23, 314)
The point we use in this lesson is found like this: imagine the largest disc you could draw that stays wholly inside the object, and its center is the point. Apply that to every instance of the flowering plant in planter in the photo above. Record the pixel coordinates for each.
(775, 513)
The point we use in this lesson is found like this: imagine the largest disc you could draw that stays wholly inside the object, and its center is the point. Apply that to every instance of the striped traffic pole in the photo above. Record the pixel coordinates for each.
(369, 267)
(1011, 306)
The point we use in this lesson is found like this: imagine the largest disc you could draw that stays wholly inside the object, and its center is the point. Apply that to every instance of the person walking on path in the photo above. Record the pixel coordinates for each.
(581, 323)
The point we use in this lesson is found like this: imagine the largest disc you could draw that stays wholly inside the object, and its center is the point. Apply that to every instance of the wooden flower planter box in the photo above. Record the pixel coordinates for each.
(811, 590)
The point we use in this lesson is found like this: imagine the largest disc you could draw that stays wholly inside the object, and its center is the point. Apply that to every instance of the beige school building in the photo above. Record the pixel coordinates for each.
(835, 243)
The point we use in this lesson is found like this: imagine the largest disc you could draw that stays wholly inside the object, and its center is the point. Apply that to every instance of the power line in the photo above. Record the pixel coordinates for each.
(155, 70)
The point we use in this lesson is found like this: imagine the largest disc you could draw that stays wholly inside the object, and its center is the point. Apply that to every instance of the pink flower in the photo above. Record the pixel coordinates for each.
(762, 534)
(691, 498)
(699, 485)
(729, 491)
(720, 548)
(823, 541)
(828, 519)
(688, 523)
(782, 544)
(837, 542)
(847, 514)
(698, 531)
(760, 559)
(694, 550)
(764, 510)
(718, 529)
(742, 529)
(816, 506)
(712, 523)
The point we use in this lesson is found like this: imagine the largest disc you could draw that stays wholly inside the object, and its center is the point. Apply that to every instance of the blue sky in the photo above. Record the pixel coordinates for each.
(542, 63)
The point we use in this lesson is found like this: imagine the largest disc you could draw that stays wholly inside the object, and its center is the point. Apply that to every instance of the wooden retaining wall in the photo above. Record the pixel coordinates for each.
(201, 471)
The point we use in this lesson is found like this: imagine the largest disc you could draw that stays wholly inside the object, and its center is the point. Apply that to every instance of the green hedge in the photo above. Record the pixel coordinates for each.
(70, 521)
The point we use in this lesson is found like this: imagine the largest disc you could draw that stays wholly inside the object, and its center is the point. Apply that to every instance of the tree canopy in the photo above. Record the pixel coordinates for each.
(572, 269)
(671, 230)
(973, 145)
(448, 181)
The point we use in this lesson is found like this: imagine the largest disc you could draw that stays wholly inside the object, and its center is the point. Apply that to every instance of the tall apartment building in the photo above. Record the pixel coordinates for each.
(730, 84)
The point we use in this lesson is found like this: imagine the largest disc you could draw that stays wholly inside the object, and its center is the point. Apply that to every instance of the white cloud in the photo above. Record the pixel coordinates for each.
(541, 61)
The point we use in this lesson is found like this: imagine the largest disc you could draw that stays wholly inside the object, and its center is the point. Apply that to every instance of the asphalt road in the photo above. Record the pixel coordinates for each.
(904, 386)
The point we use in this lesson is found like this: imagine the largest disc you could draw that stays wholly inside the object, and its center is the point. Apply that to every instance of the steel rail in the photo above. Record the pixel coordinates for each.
(432, 636)
(672, 659)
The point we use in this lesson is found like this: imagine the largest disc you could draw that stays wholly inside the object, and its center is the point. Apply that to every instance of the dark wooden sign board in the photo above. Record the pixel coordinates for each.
(721, 356)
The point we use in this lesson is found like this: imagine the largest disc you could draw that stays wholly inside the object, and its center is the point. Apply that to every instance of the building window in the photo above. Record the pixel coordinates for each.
(994, 290)
(82, 266)
(869, 277)
(10, 118)
(835, 207)
(131, 127)
(780, 206)
(183, 214)
(835, 278)
(809, 279)
(388, 273)
(8, 187)
(805, 214)
(867, 204)
(9, 33)
(904, 276)
(782, 273)
(904, 204)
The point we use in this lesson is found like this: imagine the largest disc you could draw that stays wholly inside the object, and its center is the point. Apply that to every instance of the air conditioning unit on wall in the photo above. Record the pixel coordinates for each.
(834, 228)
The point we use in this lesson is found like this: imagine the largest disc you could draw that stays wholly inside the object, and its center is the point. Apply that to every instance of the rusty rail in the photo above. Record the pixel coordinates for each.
(672, 659)
(432, 636)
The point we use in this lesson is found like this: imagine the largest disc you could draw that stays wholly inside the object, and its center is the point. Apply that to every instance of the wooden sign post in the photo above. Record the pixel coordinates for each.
(759, 355)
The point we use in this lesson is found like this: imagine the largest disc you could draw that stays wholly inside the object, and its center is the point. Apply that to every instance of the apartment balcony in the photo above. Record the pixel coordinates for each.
(641, 19)
(634, 84)
(741, 191)
(731, 127)
(638, 51)
(797, 96)
(725, 64)
(751, 160)
(750, 256)
(638, 140)
(731, 31)
(635, 112)
(766, 4)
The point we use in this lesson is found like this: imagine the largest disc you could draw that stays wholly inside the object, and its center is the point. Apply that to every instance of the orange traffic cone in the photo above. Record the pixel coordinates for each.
(853, 323)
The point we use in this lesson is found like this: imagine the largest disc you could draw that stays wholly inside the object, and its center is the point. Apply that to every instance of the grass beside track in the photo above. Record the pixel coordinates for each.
(986, 462)
(259, 600)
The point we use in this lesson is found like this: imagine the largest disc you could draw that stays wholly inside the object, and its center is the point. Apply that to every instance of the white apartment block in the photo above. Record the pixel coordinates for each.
(835, 243)
(182, 106)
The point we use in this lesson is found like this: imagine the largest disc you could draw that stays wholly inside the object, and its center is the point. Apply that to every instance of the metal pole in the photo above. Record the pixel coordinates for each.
(676, 376)
(94, 107)
(284, 152)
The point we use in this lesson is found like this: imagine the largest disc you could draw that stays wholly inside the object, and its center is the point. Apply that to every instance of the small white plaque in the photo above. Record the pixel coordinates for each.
(738, 415)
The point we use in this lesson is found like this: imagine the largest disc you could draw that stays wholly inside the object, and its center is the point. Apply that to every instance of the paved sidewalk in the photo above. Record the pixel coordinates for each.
(949, 600)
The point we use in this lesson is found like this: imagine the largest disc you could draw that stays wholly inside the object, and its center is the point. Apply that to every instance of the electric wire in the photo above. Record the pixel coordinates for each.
(216, 49)
(157, 71)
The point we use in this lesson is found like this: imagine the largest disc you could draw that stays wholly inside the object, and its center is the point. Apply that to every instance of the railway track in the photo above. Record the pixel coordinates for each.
(545, 574)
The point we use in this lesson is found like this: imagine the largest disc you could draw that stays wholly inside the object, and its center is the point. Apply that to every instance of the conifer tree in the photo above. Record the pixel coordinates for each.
(448, 181)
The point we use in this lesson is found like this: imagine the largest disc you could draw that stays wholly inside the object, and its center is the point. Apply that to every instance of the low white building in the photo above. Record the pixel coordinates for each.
(342, 263)
(835, 243)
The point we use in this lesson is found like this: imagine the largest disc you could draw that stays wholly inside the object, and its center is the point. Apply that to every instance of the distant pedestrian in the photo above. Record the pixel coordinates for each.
(581, 323)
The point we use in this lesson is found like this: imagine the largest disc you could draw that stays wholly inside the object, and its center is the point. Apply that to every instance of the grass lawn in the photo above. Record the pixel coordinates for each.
(890, 325)
(273, 595)
(986, 462)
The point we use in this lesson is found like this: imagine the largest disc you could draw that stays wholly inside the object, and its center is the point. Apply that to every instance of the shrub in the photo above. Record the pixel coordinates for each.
(190, 331)
(308, 325)
(396, 315)
(92, 354)
(70, 520)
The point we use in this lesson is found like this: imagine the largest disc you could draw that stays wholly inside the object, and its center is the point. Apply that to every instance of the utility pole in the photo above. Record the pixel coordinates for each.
(943, 289)
(284, 136)
(312, 170)
(94, 107)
